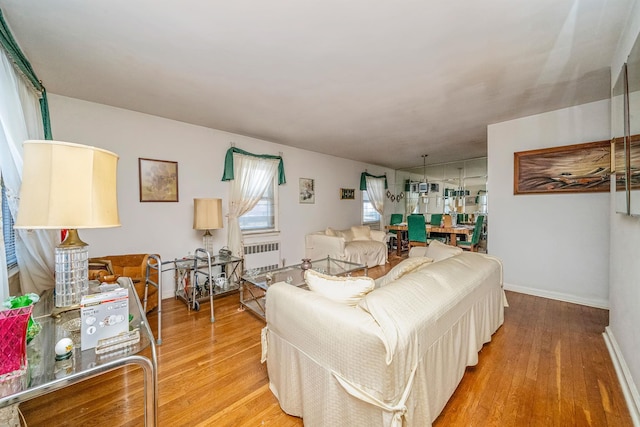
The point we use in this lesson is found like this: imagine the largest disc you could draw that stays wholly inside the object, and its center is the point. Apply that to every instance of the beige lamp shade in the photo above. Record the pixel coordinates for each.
(66, 185)
(207, 214)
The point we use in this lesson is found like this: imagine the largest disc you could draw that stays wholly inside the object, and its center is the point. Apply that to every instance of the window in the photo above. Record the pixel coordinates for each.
(369, 214)
(263, 216)
(7, 231)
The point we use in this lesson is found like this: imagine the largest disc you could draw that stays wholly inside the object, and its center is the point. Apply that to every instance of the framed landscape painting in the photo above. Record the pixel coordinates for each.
(568, 169)
(158, 180)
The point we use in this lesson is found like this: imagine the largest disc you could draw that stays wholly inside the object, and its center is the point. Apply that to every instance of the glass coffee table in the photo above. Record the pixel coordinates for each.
(255, 283)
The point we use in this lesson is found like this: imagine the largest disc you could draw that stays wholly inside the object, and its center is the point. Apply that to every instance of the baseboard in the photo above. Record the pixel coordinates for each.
(597, 303)
(629, 389)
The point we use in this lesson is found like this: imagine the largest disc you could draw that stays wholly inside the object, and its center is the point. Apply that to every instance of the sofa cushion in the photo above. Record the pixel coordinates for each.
(439, 251)
(405, 266)
(347, 290)
(347, 235)
(418, 251)
(330, 232)
(361, 232)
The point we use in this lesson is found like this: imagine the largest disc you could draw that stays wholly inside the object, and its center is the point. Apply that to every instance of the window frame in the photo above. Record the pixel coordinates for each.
(7, 225)
(366, 201)
(265, 230)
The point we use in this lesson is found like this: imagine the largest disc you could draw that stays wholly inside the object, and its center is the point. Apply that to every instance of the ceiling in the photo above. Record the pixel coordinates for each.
(379, 82)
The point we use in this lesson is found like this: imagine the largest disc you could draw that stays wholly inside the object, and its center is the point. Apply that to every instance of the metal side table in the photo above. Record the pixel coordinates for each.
(87, 364)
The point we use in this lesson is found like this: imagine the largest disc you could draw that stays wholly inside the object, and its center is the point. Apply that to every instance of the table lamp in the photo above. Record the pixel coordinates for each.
(207, 215)
(68, 186)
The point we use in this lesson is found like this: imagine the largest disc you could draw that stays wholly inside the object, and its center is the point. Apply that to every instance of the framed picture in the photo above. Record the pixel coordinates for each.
(348, 193)
(158, 180)
(307, 191)
(568, 169)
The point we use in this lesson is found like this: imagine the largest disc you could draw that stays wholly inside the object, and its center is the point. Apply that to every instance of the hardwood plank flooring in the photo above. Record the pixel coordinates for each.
(546, 366)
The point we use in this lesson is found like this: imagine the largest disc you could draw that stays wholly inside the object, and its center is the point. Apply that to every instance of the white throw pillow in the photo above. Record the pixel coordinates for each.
(347, 235)
(439, 251)
(330, 232)
(361, 232)
(418, 251)
(347, 290)
(405, 266)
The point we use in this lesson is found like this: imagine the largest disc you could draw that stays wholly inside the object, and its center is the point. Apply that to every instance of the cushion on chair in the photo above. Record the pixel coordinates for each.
(439, 251)
(361, 232)
(347, 290)
(330, 232)
(405, 266)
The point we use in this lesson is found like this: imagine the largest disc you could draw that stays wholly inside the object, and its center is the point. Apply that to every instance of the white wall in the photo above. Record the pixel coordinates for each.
(166, 228)
(552, 245)
(623, 336)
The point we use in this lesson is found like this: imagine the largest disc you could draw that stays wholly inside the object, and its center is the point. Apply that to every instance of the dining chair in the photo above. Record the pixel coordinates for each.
(417, 230)
(472, 245)
(396, 218)
(436, 221)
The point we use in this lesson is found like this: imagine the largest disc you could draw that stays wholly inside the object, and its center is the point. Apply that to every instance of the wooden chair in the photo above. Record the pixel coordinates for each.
(417, 230)
(472, 245)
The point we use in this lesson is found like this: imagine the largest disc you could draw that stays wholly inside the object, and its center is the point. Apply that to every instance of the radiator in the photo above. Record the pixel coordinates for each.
(264, 256)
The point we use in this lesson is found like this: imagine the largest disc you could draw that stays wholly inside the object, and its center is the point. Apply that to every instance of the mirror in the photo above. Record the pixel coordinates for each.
(453, 187)
(633, 134)
(618, 114)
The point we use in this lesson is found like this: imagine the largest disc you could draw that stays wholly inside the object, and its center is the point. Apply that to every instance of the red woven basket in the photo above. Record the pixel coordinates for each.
(13, 338)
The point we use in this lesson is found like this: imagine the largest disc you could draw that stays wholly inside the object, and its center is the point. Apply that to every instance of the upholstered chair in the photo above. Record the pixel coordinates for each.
(417, 230)
(396, 218)
(472, 245)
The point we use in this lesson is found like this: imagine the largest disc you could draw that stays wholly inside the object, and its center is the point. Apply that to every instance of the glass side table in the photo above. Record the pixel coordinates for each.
(255, 284)
(86, 364)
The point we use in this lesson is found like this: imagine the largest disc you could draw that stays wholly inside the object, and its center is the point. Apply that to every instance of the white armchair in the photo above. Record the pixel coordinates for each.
(358, 244)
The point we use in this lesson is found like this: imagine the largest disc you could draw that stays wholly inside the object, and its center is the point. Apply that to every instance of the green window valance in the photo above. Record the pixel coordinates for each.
(363, 180)
(228, 164)
(10, 46)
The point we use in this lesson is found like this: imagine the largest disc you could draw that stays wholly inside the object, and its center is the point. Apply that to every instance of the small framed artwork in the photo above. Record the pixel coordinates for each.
(347, 193)
(158, 180)
(307, 191)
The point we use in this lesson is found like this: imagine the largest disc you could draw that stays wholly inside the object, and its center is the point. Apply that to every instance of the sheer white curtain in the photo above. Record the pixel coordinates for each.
(412, 203)
(375, 189)
(20, 120)
(252, 176)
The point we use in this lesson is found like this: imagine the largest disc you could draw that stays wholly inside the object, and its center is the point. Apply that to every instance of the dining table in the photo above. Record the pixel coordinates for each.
(453, 232)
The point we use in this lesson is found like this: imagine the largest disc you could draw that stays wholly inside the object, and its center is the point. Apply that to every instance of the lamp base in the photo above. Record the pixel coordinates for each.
(72, 274)
(207, 242)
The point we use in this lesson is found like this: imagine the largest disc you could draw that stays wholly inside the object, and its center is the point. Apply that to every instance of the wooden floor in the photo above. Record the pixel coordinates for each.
(546, 366)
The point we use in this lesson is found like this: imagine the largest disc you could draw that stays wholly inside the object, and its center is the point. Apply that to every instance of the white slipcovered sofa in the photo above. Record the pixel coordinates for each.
(392, 356)
(357, 244)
